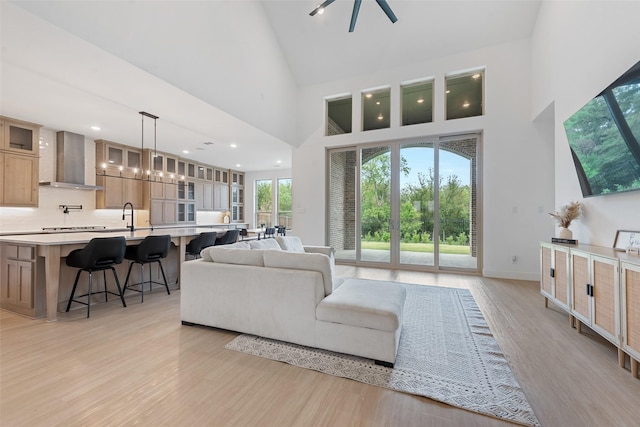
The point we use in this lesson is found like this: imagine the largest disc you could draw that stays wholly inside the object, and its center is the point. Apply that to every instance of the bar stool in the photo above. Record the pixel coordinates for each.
(269, 232)
(282, 231)
(151, 249)
(99, 254)
(231, 236)
(204, 240)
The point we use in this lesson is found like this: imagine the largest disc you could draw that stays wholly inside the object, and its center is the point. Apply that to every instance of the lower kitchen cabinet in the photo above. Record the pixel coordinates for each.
(19, 285)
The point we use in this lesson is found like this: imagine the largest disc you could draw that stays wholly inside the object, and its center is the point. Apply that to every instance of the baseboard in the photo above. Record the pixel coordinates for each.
(534, 277)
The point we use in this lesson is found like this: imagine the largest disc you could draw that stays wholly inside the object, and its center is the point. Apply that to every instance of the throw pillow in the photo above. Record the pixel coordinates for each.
(264, 244)
(290, 243)
(296, 261)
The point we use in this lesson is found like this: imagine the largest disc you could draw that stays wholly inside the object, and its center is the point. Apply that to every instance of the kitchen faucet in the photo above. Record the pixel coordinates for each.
(123, 214)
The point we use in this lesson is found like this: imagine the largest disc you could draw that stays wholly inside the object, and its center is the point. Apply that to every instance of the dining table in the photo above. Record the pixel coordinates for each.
(53, 247)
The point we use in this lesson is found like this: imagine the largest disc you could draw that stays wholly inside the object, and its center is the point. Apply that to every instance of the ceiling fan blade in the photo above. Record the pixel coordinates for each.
(383, 4)
(354, 15)
(321, 6)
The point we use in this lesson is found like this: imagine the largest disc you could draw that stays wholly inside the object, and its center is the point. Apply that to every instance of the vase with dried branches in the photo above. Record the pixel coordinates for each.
(564, 216)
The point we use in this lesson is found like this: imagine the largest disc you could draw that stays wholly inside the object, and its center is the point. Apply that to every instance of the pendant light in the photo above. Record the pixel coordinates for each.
(155, 142)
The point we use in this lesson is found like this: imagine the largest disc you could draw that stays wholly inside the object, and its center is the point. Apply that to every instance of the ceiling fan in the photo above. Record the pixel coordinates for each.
(356, 8)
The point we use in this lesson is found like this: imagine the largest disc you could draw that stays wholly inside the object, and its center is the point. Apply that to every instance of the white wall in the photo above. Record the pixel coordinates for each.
(578, 49)
(517, 158)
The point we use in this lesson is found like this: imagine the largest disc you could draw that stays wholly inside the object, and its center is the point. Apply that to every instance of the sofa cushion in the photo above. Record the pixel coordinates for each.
(204, 254)
(364, 303)
(264, 244)
(290, 243)
(225, 255)
(304, 261)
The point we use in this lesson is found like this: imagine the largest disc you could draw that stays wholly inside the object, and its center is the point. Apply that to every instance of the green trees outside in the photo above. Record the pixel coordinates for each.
(596, 140)
(416, 205)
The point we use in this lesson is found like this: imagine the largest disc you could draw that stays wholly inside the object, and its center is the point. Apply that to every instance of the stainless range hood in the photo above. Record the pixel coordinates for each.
(70, 162)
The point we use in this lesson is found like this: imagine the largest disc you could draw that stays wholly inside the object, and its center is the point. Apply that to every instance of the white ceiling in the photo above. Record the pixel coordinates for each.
(95, 71)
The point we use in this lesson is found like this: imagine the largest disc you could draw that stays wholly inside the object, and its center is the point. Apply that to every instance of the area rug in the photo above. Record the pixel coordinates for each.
(447, 353)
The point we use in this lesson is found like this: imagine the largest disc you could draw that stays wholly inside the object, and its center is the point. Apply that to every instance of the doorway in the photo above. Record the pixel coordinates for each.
(407, 204)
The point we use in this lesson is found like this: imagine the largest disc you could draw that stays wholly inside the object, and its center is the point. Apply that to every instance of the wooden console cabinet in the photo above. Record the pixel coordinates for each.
(630, 302)
(598, 287)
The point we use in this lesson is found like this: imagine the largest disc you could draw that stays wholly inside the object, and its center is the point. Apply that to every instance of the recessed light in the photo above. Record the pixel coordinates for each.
(420, 101)
(368, 95)
(279, 161)
(377, 102)
(233, 145)
(475, 76)
(321, 11)
(95, 127)
(237, 165)
(380, 117)
(465, 105)
(185, 151)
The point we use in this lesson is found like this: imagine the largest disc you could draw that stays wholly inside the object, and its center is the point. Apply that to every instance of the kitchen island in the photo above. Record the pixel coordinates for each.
(31, 263)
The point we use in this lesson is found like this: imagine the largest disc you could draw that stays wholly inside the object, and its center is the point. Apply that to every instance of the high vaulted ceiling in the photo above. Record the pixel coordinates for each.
(219, 71)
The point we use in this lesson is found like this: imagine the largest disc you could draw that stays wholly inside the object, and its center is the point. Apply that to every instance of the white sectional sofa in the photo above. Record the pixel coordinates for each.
(280, 289)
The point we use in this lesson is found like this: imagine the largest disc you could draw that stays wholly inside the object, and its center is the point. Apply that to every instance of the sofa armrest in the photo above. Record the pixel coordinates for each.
(326, 250)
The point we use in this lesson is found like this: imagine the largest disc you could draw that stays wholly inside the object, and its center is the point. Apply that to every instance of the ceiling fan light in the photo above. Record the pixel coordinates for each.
(321, 11)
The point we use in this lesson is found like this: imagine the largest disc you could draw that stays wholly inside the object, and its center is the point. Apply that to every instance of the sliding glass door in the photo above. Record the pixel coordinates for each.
(406, 204)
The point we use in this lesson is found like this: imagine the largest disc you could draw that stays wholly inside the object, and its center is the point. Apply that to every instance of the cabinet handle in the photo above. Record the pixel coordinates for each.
(552, 272)
(589, 290)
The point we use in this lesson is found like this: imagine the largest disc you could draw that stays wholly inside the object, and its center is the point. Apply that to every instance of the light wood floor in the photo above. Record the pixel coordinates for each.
(139, 366)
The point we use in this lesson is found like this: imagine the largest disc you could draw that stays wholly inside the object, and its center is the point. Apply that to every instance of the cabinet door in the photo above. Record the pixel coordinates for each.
(17, 286)
(605, 278)
(113, 192)
(157, 190)
(20, 137)
(220, 197)
(170, 191)
(156, 212)
(170, 208)
(207, 197)
(133, 192)
(580, 279)
(199, 195)
(546, 273)
(630, 305)
(21, 180)
(561, 289)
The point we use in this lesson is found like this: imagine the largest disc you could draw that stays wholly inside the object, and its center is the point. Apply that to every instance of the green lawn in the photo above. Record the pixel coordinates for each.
(418, 247)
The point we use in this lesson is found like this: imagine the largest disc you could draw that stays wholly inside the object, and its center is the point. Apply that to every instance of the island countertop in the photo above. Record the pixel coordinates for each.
(53, 247)
(84, 237)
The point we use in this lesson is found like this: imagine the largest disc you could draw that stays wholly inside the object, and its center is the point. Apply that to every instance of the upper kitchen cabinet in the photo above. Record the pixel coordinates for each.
(119, 173)
(19, 137)
(19, 149)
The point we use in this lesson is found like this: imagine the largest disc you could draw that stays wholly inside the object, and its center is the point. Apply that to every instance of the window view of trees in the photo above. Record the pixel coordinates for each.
(264, 202)
(284, 202)
(604, 137)
(416, 208)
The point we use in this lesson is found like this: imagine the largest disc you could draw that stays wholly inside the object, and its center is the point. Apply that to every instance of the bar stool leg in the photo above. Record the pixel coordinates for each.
(120, 291)
(106, 294)
(89, 296)
(166, 284)
(142, 282)
(73, 291)
(126, 281)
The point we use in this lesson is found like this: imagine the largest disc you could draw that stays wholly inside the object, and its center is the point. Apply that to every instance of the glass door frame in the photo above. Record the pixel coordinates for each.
(394, 226)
